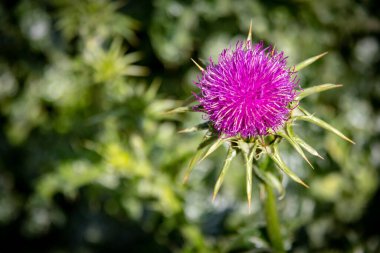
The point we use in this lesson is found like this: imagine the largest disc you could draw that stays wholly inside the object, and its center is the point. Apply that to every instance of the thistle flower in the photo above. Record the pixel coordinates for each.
(248, 91)
(251, 99)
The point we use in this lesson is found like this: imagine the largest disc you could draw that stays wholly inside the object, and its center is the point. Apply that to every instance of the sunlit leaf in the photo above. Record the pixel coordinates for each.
(133, 70)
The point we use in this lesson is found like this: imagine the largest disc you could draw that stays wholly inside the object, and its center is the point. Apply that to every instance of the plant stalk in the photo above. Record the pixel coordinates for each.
(273, 224)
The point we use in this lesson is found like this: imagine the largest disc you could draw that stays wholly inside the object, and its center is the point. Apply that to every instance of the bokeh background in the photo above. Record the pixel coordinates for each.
(89, 163)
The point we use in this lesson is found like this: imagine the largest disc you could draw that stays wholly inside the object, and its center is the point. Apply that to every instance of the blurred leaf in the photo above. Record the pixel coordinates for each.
(113, 63)
(151, 92)
(94, 18)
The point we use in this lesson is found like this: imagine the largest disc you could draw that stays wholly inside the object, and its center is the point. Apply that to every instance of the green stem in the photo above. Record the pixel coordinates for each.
(273, 225)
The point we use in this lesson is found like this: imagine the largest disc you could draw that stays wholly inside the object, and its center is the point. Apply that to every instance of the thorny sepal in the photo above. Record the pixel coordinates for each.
(198, 65)
(248, 151)
(307, 147)
(207, 140)
(269, 176)
(275, 156)
(214, 147)
(249, 37)
(299, 141)
(231, 153)
(294, 143)
(181, 109)
(191, 99)
(308, 61)
(199, 127)
(316, 89)
(312, 119)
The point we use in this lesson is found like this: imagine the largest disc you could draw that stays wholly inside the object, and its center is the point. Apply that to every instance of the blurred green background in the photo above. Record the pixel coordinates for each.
(89, 163)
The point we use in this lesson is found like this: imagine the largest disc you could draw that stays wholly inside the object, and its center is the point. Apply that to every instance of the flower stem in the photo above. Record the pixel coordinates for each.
(273, 225)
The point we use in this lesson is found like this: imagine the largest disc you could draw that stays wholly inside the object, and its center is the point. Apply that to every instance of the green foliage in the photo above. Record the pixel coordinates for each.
(91, 158)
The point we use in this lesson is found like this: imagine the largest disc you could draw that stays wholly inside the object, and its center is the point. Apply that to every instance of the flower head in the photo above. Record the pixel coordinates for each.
(248, 91)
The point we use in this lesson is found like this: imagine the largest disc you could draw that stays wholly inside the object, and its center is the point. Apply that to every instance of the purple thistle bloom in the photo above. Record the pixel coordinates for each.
(248, 91)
